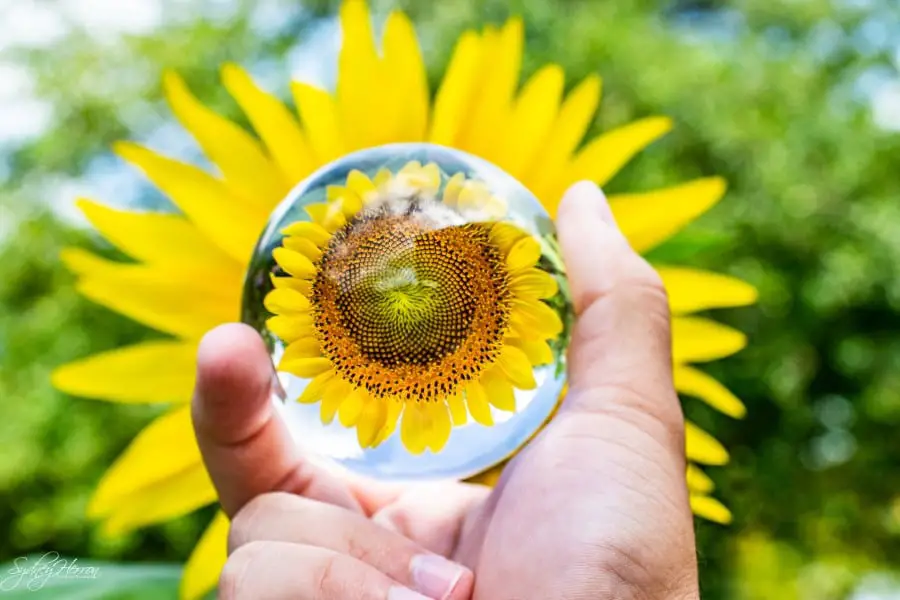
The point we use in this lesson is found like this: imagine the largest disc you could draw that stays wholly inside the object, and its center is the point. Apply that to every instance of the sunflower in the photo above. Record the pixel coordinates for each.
(533, 133)
(410, 295)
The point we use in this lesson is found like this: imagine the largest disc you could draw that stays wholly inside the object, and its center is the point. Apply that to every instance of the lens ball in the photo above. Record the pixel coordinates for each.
(415, 306)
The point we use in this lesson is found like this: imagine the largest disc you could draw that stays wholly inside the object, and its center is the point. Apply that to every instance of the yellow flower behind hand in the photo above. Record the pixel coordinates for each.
(534, 133)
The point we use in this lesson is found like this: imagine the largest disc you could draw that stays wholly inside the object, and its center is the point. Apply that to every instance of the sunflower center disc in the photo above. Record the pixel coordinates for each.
(403, 308)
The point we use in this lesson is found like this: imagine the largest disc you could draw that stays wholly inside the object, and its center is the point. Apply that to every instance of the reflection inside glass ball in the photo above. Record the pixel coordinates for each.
(416, 310)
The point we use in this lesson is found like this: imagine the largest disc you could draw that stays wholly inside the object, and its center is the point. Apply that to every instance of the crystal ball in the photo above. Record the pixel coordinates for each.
(416, 309)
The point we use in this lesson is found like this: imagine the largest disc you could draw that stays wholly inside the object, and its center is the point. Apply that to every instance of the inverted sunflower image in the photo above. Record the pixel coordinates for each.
(408, 299)
(534, 132)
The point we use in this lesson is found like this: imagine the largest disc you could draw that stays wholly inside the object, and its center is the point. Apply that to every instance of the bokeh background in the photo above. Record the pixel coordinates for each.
(796, 103)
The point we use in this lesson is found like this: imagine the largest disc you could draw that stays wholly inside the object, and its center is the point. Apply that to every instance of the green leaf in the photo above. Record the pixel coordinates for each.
(50, 577)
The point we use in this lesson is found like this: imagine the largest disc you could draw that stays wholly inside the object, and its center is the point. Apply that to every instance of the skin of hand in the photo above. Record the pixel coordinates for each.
(594, 508)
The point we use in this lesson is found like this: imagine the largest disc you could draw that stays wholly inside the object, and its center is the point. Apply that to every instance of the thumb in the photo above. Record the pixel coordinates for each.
(620, 354)
(247, 448)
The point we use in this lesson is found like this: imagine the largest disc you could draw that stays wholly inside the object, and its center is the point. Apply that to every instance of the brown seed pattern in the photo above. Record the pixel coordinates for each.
(407, 309)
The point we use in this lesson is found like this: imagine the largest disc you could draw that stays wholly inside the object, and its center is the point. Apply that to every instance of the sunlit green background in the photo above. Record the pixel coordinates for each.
(796, 103)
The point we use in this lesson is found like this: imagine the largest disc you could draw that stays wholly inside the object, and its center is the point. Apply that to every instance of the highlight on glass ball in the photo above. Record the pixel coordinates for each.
(415, 305)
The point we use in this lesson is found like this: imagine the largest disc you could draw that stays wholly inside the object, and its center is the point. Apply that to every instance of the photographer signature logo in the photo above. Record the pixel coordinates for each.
(33, 572)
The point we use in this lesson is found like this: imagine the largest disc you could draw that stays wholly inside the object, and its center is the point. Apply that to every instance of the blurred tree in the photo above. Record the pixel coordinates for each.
(774, 96)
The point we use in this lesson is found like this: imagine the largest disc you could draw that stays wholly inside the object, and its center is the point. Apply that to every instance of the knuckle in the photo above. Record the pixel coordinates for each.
(359, 550)
(233, 576)
(660, 417)
(634, 284)
(644, 285)
(247, 523)
(327, 577)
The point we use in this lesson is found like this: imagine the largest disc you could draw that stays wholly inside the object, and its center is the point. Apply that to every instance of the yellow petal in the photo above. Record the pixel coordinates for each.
(286, 301)
(698, 482)
(146, 372)
(274, 124)
(320, 118)
(162, 450)
(691, 290)
(313, 232)
(440, 425)
(517, 367)
(350, 202)
(326, 214)
(499, 390)
(242, 160)
(358, 86)
(489, 477)
(306, 367)
(315, 389)
(382, 178)
(534, 319)
(505, 235)
(393, 407)
(532, 117)
(710, 509)
(538, 352)
(359, 182)
(303, 246)
(650, 218)
(524, 254)
(370, 422)
(413, 430)
(457, 407)
(477, 402)
(473, 195)
(703, 448)
(404, 67)
(294, 263)
(201, 573)
(457, 87)
(303, 286)
(351, 408)
(232, 224)
(158, 238)
(492, 100)
(302, 348)
(534, 284)
(332, 396)
(607, 154)
(162, 501)
(545, 171)
(697, 383)
(166, 298)
(699, 340)
(291, 327)
(453, 188)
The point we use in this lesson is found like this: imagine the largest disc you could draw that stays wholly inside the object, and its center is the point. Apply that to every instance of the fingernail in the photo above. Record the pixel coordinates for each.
(589, 198)
(434, 575)
(277, 388)
(402, 593)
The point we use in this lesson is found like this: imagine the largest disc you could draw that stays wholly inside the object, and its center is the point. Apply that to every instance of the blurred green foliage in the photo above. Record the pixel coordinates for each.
(775, 96)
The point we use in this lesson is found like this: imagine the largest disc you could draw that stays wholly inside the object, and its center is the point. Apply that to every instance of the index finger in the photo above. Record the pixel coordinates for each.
(247, 448)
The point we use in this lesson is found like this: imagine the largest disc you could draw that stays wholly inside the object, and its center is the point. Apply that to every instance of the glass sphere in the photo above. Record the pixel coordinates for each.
(414, 303)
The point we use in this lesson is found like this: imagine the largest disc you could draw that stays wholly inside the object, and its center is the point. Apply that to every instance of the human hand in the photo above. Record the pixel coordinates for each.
(595, 507)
